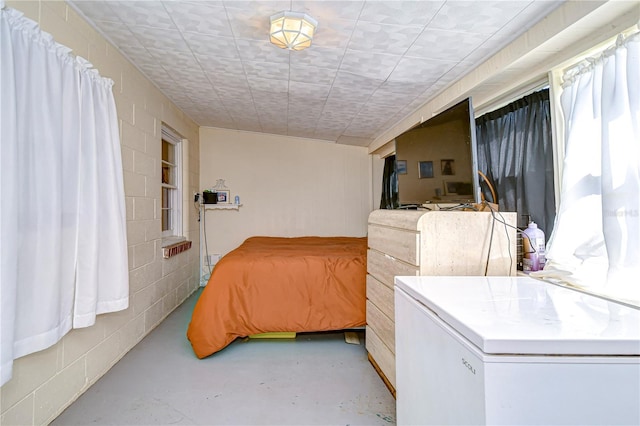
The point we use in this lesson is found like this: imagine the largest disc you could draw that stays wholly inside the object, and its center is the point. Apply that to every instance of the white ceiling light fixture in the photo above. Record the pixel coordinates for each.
(292, 30)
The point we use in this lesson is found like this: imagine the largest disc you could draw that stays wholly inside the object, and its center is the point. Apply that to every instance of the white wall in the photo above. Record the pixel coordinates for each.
(46, 382)
(287, 186)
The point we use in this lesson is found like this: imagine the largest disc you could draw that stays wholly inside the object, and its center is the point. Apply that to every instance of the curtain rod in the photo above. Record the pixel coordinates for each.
(511, 96)
(602, 49)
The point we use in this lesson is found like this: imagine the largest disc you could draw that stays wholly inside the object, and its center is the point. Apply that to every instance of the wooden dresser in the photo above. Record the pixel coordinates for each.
(419, 242)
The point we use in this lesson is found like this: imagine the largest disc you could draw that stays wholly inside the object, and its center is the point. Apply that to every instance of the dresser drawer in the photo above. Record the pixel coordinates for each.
(385, 268)
(380, 295)
(401, 244)
(382, 325)
(382, 355)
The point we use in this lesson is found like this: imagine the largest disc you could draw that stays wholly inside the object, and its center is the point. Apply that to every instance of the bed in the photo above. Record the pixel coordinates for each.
(280, 284)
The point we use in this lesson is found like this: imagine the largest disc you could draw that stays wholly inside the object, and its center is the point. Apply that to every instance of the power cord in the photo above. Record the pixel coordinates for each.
(462, 206)
(196, 204)
(206, 244)
(506, 231)
(486, 266)
(202, 217)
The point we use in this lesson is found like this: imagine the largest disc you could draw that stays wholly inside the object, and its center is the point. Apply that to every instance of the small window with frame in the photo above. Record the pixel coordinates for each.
(171, 183)
(425, 169)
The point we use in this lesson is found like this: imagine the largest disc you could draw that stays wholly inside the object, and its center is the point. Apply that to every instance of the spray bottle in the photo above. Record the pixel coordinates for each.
(533, 244)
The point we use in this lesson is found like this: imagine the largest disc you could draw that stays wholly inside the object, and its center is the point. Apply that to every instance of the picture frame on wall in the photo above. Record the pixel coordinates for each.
(458, 188)
(223, 196)
(425, 169)
(447, 167)
(450, 188)
(401, 167)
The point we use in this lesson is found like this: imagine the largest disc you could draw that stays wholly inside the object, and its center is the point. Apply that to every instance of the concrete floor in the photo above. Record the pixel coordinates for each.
(314, 379)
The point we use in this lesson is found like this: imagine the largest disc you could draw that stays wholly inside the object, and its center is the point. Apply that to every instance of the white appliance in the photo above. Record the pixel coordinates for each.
(512, 351)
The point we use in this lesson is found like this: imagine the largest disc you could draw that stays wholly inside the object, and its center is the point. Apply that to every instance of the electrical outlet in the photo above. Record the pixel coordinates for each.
(213, 259)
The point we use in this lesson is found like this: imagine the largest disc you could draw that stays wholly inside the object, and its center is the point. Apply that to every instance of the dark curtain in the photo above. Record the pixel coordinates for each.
(389, 184)
(515, 153)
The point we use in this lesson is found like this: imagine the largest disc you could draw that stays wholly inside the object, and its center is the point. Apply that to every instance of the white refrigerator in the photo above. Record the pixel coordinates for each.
(512, 351)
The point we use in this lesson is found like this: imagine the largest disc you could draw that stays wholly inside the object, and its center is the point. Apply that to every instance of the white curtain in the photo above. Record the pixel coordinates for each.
(63, 244)
(596, 239)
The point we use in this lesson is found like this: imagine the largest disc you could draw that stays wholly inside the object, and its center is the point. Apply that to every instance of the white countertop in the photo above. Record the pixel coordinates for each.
(522, 315)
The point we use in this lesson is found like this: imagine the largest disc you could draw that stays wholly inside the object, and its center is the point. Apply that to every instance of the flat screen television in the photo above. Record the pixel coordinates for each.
(437, 161)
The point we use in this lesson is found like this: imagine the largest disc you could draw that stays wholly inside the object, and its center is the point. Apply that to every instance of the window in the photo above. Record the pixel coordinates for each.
(594, 245)
(515, 153)
(171, 175)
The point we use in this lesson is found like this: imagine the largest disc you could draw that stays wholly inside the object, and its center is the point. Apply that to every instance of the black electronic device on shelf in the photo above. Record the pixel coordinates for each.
(209, 197)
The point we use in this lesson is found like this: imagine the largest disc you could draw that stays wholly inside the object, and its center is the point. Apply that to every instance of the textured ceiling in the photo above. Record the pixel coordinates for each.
(371, 63)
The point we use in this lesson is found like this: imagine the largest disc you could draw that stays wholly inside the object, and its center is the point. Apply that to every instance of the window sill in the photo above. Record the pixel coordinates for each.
(169, 241)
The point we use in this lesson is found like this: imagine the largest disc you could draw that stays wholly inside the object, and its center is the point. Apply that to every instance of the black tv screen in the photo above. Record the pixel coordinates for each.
(437, 162)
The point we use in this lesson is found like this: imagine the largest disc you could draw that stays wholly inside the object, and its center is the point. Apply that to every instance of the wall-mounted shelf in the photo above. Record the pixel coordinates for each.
(221, 206)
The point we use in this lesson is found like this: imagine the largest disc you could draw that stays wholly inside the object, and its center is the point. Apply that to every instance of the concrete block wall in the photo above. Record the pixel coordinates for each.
(46, 382)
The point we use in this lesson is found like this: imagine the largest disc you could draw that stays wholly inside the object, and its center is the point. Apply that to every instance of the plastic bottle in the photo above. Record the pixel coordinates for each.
(533, 244)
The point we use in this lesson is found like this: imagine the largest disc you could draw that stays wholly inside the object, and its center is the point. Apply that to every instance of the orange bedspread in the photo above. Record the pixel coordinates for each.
(272, 284)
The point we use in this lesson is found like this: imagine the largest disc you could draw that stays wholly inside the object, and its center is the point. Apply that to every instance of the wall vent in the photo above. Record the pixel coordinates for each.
(176, 248)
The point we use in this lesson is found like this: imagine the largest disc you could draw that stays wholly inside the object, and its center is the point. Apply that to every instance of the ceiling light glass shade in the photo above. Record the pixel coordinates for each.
(292, 30)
